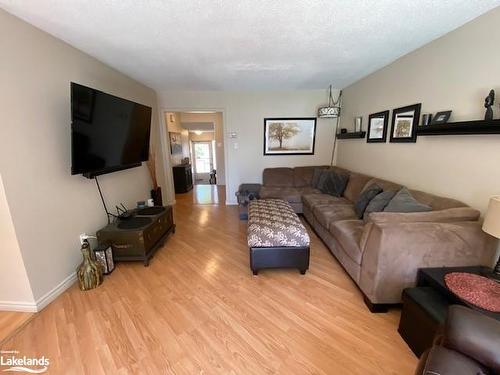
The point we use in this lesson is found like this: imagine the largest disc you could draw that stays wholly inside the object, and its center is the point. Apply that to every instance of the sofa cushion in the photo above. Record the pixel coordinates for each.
(378, 203)
(364, 199)
(312, 200)
(440, 360)
(355, 185)
(282, 177)
(308, 190)
(328, 213)
(316, 177)
(333, 183)
(289, 194)
(348, 234)
(384, 184)
(403, 201)
(303, 176)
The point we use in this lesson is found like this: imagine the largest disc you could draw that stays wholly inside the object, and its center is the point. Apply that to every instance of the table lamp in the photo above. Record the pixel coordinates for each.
(491, 226)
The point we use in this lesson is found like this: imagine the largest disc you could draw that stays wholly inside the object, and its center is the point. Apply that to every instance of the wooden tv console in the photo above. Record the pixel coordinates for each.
(139, 237)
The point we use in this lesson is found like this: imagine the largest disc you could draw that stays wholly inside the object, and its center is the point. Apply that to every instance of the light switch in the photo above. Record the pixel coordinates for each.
(235, 145)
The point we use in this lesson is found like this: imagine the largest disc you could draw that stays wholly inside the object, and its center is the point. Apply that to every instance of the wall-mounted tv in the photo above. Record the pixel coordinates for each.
(108, 133)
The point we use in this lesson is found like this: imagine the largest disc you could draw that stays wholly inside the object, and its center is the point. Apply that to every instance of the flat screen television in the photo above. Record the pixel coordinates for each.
(108, 133)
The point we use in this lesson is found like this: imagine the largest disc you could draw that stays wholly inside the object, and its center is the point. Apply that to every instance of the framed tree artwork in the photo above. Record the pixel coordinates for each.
(289, 136)
(404, 123)
(377, 127)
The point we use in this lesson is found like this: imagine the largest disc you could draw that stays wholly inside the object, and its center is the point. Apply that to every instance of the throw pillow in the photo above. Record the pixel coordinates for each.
(316, 176)
(333, 183)
(364, 199)
(403, 201)
(378, 203)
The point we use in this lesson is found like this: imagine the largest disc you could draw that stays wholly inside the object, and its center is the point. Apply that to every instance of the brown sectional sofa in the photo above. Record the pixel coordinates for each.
(383, 253)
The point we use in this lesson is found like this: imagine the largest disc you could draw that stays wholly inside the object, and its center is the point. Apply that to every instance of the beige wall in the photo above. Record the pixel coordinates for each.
(49, 207)
(15, 288)
(454, 72)
(244, 113)
(218, 135)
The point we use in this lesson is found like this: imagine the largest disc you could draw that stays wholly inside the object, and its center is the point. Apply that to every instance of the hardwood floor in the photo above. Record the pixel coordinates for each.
(11, 322)
(198, 309)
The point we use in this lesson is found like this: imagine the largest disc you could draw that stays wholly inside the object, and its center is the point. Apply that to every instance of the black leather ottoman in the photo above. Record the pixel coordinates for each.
(276, 236)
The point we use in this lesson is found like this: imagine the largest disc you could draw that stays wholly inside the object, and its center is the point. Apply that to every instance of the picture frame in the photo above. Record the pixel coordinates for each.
(404, 123)
(441, 118)
(175, 143)
(377, 127)
(289, 136)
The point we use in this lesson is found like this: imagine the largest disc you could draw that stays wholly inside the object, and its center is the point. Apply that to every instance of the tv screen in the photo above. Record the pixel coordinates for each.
(108, 133)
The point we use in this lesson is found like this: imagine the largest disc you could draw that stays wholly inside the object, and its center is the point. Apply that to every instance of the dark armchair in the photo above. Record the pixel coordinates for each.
(470, 345)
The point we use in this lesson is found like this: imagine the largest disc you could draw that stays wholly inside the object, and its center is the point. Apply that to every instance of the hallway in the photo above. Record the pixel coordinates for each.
(204, 195)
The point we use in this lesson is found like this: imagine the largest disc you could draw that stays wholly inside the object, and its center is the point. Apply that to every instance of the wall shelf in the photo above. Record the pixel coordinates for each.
(351, 135)
(461, 128)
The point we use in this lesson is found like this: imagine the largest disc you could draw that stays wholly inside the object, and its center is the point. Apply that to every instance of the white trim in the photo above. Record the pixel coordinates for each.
(18, 306)
(55, 292)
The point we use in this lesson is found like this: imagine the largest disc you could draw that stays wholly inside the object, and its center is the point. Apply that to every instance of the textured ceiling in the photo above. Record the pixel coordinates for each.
(247, 44)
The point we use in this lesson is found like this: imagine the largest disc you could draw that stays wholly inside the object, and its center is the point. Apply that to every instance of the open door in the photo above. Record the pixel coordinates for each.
(203, 161)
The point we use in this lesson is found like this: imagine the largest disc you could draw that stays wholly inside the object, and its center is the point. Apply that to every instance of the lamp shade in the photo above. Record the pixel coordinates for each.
(491, 223)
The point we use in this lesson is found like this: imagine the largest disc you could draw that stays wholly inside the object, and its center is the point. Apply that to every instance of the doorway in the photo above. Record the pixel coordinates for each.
(204, 162)
(196, 139)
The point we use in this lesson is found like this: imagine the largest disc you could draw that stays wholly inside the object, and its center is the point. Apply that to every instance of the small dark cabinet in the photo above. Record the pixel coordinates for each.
(183, 178)
(140, 236)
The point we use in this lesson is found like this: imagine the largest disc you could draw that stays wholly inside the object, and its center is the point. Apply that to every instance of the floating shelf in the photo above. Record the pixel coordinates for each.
(351, 135)
(461, 128)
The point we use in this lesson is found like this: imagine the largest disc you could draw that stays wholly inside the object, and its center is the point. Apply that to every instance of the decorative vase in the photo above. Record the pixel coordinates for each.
(89, 272)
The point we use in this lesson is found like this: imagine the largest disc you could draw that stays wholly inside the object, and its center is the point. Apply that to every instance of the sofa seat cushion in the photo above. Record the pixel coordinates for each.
(289, 194)
(348, 234)
(440, 360)
(308, 190)
(312, 200)
(328, 213)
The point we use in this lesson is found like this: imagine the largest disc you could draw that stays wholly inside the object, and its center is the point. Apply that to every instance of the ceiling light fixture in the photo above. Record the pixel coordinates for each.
(333, 108)
(198, 132)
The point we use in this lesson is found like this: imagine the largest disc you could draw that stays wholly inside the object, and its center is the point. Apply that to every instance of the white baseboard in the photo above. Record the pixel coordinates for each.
(43, 301)
(18, 306)
(55, 292)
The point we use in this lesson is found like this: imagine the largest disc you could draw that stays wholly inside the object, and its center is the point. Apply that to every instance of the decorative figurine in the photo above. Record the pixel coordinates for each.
(488, 103)
(89, 272)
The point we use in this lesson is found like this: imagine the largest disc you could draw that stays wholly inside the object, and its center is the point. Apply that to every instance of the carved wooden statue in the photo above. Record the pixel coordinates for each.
(488, 103)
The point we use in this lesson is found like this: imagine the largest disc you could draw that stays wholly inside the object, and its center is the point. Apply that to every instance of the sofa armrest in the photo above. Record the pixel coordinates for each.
(393, 253)
(441, 216)
(473, 334)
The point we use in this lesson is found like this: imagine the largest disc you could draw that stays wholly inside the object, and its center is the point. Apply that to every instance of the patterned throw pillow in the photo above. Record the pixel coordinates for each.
(333, 183)
(403, 201)
(364, 199)
(378, 203)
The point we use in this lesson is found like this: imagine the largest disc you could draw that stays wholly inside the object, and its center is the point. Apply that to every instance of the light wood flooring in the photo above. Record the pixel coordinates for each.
(11, 322)
(197, 309)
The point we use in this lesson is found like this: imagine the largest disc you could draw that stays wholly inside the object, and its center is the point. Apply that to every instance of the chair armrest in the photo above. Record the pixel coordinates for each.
(473, 334)
(394, 251)
(441, 216)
